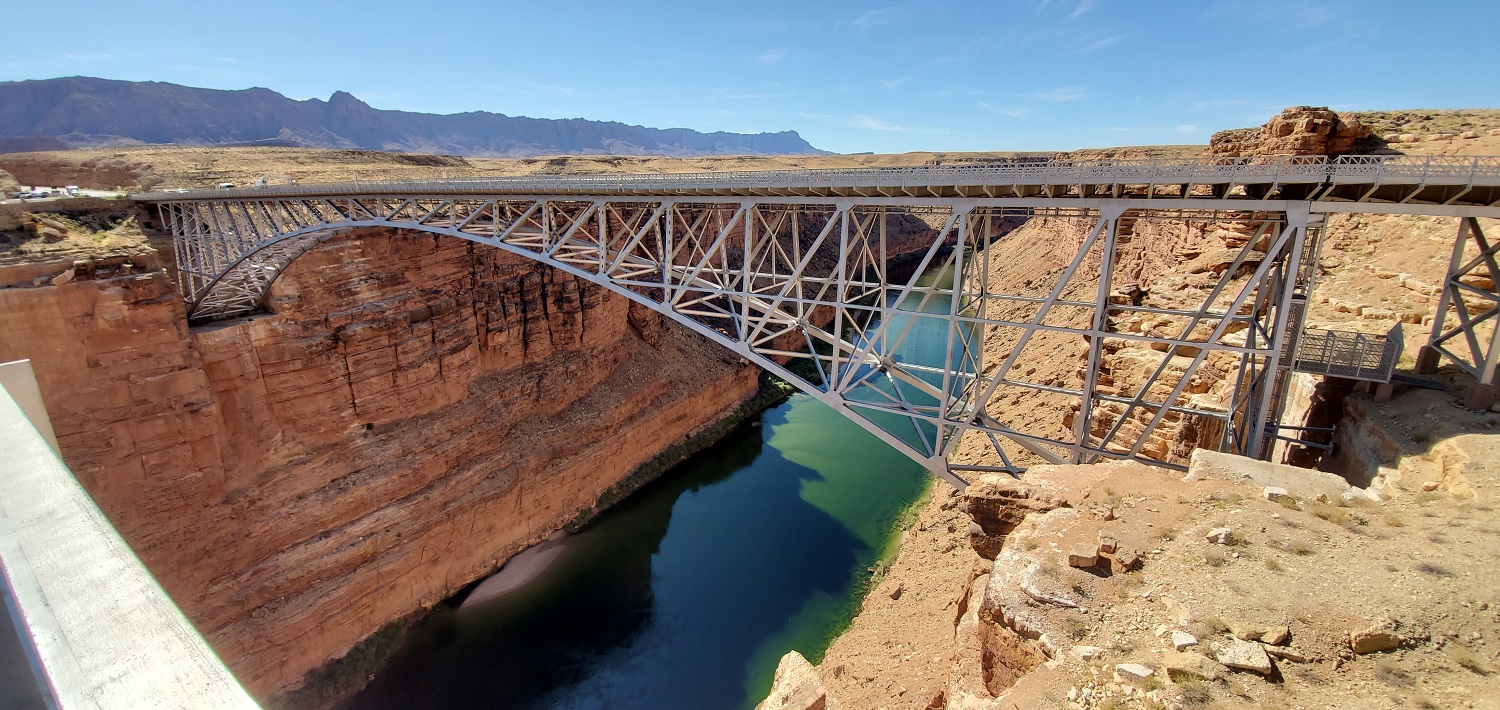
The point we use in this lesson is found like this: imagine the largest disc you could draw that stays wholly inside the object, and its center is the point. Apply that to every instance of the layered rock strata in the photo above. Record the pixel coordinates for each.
(413, 411)
(1298, 130)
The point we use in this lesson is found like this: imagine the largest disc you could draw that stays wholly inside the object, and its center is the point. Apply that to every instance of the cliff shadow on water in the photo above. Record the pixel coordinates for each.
(686, 593)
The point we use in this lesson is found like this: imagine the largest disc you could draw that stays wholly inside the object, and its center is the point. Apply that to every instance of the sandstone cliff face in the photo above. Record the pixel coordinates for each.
(415, 411)
(96, 173)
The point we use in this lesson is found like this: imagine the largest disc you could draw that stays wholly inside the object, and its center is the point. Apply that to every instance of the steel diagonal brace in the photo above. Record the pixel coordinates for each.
(638, 236)
(710, 252)
(862, 354)
(1251, 285)
(486, 207)
(983, 400)
(573, 226)
(1172, 348)
(796, 275)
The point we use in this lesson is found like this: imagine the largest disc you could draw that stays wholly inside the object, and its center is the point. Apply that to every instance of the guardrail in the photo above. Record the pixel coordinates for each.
(1019, 171)
(95, 627)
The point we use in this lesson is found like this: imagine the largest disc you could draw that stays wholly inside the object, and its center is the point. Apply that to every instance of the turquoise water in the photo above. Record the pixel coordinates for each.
(687, 594)
(927, 341)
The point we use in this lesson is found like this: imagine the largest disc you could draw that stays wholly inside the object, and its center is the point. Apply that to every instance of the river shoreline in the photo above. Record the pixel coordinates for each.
(341, 678)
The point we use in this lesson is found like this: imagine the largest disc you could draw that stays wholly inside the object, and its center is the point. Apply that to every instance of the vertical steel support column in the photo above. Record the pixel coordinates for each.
(667, 255)
(1291, 256)
(1099, 325)
(1482, 395)
(955, 304)
(746, 290)
(842, 211)
(601, 209)
(1427, 361)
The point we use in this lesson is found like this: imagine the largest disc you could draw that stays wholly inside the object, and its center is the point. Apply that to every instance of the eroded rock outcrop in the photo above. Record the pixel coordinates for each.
(415, 411)
(797, 687)
(1298, 130)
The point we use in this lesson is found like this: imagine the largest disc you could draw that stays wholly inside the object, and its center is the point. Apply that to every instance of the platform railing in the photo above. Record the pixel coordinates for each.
(1354, 356)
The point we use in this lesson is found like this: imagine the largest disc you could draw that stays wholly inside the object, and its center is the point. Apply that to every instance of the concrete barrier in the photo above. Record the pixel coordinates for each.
(99, 630)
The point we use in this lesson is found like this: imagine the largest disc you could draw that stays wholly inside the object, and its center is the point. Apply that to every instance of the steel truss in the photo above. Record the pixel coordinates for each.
(1476, 307)
(776, 278)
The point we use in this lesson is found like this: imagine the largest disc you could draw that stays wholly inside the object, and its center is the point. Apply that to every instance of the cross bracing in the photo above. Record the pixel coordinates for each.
(933, 365)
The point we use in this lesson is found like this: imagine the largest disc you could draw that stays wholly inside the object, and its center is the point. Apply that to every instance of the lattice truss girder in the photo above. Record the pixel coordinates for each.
(922, 362)
(1469, 296)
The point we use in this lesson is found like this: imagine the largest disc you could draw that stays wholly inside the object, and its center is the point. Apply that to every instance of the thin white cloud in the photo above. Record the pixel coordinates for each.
(875, 124)
(1061, 94)
(893, 83)
(874, 18)
(90, 57)
(753, 95)
(1007, 111)
(1185, 128)
(1083, 6)
(770, 56)
(1094, 43)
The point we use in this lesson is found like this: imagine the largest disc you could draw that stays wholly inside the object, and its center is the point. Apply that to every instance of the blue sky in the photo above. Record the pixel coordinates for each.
(850, 77)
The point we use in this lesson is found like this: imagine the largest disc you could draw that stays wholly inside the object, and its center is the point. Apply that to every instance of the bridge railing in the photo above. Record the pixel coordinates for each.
(1447, 168)
(1020, 171)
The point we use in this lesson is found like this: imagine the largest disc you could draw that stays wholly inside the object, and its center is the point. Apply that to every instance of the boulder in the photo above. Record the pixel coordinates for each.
(1088, 653)
(1245, 655)
(1124, 560)
(1182, 640)
(1187, 665)
(1379, 637)
(1083, 556)
(1132, 672)
(1274, 634)
(797, 687)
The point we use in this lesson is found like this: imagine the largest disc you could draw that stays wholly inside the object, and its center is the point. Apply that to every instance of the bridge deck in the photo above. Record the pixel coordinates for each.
(1398, 179)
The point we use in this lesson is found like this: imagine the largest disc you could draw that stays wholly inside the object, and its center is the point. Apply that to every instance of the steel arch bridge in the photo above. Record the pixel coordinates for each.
(779, 265)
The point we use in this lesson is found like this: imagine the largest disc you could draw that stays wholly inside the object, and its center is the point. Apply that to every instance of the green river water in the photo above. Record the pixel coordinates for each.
(686, 594)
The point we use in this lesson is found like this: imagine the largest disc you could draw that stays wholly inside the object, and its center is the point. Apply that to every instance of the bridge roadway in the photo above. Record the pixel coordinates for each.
(1395, 179)
(779, 264)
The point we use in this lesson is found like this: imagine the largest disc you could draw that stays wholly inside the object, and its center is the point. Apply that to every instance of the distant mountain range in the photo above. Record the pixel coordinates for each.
(83, 112)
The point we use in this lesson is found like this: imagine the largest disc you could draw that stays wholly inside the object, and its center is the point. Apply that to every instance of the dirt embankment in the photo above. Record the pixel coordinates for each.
(1076, 572)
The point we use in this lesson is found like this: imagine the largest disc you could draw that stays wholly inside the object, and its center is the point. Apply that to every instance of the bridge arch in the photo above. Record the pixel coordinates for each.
(242, 283)
(750, 273)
